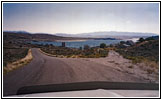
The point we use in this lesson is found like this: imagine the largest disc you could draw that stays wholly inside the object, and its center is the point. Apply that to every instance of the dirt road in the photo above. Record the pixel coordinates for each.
(43, 70)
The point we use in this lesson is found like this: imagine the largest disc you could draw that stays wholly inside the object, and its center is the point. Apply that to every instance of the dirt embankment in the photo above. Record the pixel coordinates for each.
(18, 63)
(141, 70)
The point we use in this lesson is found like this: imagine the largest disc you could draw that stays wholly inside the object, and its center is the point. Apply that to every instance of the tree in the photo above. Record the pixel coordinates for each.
(51, 45)
(86, 47)
(122, 42)
(102, 45)
(111, 45)
(103, 53)
(141, 40)
(80, 48)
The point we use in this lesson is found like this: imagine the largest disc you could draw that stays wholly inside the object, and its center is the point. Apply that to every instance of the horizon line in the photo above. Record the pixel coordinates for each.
(77, 33)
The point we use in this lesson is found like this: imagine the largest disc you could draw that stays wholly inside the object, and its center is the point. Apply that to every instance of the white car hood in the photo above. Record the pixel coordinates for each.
(96, 93)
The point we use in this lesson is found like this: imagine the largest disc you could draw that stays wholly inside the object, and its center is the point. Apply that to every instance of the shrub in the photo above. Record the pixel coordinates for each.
(103, 53)
(88, 52)
(122, 42)
(86, 47)
(141, 40)
(80, 48)
(111, 45)
(102, 45)
(13, 54)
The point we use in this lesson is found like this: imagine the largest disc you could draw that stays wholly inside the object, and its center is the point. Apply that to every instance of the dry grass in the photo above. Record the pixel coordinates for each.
(17, 64)
(151, 64)
(47, 53)
(64, 52)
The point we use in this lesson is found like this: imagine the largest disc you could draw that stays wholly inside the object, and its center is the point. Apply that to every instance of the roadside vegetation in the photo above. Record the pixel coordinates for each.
(15, 55)
(10, 66)
(86, 52)
(145, 50)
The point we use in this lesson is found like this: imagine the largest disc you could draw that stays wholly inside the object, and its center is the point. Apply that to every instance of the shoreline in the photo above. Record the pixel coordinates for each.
(71, 40)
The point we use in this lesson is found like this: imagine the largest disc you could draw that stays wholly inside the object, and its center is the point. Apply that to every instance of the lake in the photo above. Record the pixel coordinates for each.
(77, 44)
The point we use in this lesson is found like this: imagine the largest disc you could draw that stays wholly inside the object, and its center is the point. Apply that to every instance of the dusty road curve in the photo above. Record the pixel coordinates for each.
(43, 70)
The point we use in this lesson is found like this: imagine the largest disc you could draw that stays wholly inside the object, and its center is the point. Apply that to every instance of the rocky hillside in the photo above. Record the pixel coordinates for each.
(144, 49)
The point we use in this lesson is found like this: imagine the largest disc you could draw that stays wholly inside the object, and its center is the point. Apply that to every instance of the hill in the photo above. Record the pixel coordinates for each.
(21, 37)
(146, 49)
(19, 32)
(109, 34)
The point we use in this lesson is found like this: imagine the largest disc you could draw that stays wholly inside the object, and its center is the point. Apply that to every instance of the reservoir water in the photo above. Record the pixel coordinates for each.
(77, 44)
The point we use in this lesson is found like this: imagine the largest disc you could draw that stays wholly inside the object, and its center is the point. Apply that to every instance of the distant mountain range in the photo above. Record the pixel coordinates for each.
(105, 34)
(26, 36)
(108, 34)
(19, 32)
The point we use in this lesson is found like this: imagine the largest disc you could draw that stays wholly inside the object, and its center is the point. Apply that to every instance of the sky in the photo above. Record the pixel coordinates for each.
(76, 18)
